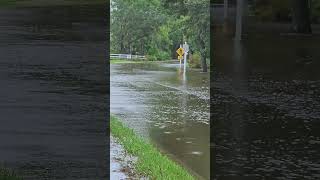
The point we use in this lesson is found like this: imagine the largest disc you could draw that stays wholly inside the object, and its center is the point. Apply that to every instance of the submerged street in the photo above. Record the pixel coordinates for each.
(53, 95)
(162, 107)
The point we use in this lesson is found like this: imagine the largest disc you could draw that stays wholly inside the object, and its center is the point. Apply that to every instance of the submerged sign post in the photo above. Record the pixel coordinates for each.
(183, 50)
(186, 50)
(180, 52)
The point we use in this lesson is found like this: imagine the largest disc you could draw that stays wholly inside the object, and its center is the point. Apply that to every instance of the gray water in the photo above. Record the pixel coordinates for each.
(165, 108)
(53, 95)
(265, 99)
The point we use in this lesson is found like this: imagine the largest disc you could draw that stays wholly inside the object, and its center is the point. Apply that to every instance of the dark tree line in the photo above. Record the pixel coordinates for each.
(301, 13)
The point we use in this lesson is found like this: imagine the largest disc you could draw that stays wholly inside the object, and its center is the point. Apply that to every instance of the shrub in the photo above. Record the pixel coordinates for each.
(151, 58)
(162, 55)
(195, 60)
(315, 11)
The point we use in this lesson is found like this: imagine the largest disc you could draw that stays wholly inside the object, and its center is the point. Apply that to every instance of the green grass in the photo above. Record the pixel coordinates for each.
(151, 163)
(5, 174)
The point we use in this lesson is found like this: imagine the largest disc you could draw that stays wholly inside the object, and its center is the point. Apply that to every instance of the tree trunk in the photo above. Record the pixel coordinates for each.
(204, 62)
(203, 51)
(301, 16)
(225, 12)
(239, 17)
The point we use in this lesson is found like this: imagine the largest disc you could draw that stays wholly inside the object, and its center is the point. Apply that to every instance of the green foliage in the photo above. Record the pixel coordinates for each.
(133, 23)
(151, 57)
(151, 163)
(195, 61)
(199, 26)
(157, 27)
(315, 11)
(280, 10)
(272, 10)
(5, 174)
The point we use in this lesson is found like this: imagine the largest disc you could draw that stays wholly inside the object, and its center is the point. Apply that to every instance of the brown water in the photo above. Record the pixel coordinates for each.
(163, 107)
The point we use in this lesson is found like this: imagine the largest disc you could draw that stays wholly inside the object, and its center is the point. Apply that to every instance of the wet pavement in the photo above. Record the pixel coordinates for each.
(166, 109)
(53, 95)
(266, 107)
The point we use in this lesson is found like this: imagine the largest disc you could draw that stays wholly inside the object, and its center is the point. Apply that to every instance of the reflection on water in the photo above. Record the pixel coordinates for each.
(167, 108)
(265, 99)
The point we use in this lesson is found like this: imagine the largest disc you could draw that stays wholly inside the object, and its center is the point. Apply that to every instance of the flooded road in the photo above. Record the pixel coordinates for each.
(53, 95)
(170, 112)
(266, 107)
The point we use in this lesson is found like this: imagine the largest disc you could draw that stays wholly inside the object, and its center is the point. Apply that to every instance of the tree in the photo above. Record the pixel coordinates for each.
(156, 27)
(199, 28)
(301, 16)
(133, 23)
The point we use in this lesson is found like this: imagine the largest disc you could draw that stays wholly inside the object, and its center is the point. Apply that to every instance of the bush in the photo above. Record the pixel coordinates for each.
(195, 60)
(151, 58)
(272, 10)
(156, 54)
(316, 11)
(163, 55)
(280, 10)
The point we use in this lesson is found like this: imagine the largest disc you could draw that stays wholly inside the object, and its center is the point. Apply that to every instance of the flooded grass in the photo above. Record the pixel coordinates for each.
(5, 174)
(151, 163)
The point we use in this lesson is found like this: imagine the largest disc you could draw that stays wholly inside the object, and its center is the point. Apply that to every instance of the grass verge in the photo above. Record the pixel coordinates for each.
(5, 174)
(151, 163)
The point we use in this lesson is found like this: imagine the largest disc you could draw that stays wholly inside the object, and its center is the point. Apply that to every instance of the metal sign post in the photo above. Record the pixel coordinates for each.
(186, 50)
(180, 58)
(180, 52)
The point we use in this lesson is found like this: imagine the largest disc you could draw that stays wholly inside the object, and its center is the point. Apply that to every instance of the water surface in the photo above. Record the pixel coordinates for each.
(265, 99)
(167, 109)
(53, 95)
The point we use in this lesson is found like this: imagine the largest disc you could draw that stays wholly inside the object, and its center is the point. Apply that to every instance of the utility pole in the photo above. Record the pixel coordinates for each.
(225, 12)
(186, 50)
(239, 20)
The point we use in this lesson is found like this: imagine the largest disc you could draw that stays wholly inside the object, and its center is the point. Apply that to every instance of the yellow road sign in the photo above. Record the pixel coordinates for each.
(180, 51)
(179, 57)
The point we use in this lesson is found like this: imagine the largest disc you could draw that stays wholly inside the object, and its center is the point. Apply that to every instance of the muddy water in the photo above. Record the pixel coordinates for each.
(167, 109)
(265, 98)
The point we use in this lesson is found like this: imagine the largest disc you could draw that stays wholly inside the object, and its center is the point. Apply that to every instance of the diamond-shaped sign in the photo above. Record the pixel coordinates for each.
(180, 51)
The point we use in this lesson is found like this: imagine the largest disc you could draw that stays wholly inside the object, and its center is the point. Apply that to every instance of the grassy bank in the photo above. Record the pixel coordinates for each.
(151, 162)
(8, 175)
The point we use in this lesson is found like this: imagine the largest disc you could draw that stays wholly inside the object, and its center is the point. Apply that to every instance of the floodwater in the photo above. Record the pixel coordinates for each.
(266, 107)
(54, 94)
(167, 108)
(120, 162)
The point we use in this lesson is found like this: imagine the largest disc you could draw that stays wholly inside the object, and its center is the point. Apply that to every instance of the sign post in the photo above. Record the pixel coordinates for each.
(180, 58)
(186, 50)
(180, 52)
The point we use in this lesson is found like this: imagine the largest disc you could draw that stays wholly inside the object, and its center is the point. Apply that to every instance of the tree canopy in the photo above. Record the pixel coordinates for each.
(156, 28)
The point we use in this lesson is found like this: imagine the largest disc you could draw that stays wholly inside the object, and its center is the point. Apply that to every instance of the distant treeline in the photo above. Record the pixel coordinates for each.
(282, 10)
(156, 28)
(278, 10)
